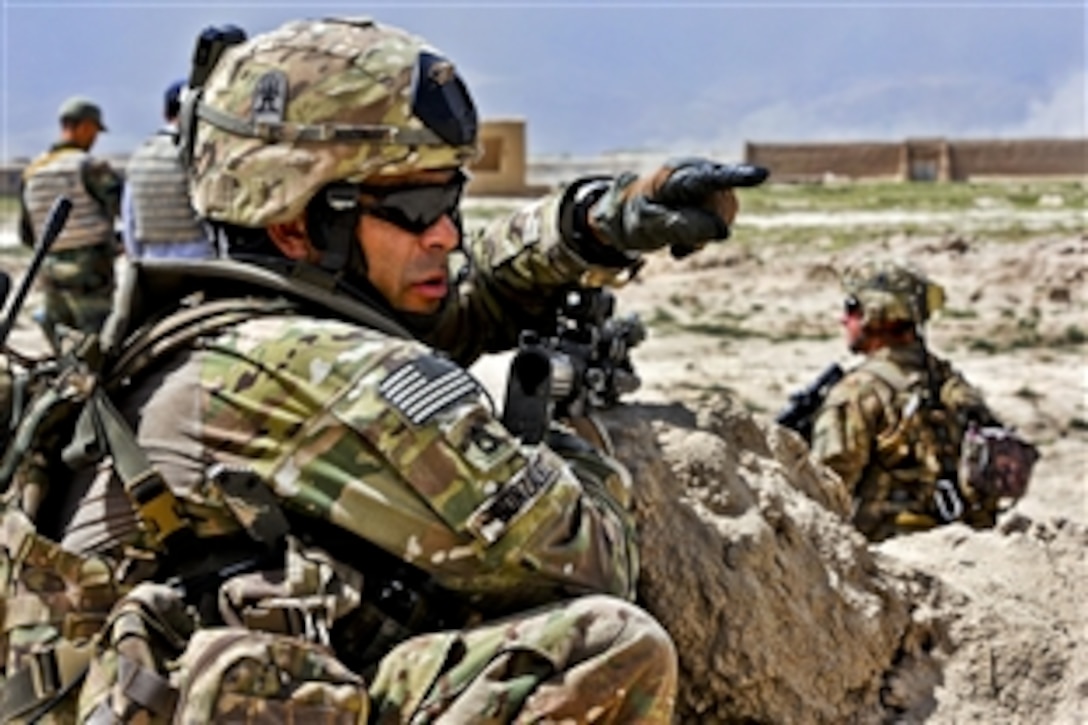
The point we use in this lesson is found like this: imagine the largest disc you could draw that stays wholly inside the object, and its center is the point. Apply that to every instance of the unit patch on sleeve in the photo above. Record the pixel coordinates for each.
(426, 386)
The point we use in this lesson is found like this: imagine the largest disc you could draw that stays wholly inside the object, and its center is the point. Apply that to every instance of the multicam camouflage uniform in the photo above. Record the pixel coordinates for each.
(352, 426)
(352, 498)
(889, 459)
(878, 428)
(77, 276)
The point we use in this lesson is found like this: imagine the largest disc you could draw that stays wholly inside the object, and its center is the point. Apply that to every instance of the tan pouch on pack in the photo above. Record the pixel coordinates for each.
(237, 675)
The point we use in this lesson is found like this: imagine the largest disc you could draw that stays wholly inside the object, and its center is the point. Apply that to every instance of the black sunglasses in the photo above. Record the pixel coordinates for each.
(851, 306)
(414, 208)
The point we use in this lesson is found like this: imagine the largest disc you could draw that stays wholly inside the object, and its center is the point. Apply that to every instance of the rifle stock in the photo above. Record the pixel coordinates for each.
(800, 413)
(585, 365)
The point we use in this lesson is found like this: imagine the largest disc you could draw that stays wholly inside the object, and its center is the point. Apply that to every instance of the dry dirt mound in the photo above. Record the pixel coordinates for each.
(782, 613)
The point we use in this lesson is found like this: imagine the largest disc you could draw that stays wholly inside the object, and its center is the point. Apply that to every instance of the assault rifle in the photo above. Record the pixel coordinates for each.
(800, 413)
(584, 365)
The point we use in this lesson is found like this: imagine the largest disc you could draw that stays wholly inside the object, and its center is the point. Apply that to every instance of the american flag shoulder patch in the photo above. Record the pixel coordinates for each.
(426, 386)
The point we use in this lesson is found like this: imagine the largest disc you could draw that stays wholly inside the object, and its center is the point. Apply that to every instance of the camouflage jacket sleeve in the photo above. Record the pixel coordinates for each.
(387, 440)
(104, 184)
(515, 270)
(848, 423)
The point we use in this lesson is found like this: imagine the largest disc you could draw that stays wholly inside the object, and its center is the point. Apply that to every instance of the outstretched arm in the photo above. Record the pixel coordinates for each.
(592, 234)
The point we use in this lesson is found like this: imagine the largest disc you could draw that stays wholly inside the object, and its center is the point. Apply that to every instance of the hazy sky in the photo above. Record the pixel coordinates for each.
(594, 77)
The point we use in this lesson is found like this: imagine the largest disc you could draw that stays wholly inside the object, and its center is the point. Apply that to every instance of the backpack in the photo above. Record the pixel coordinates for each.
(996, 461)
(57, 418)
(957, 468)
(60, 420)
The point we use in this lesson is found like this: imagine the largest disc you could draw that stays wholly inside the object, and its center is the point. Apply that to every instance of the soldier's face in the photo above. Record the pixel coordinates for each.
(85, 134)
(409, 269)
(406, 252)
(853, 326)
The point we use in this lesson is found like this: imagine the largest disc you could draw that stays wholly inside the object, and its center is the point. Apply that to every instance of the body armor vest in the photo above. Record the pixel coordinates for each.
(60, 172)
(160, 194)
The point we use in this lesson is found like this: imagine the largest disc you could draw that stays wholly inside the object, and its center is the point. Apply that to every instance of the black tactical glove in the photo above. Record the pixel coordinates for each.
(683, 205)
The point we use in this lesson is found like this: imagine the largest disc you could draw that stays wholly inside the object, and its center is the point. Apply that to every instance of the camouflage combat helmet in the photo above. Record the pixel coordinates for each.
(893, 291)
(283, 114)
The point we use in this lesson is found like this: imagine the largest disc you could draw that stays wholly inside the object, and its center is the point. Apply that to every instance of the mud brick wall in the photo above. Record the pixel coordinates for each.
(1038, 157)
(939, 159)
(815, 161)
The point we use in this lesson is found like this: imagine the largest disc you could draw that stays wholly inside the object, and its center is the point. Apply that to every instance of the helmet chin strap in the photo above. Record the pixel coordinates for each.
(332, 222)
(334, 232)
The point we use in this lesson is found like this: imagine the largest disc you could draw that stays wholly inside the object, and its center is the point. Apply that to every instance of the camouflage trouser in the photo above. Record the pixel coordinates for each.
(78, 287)
(880, 520)
(595, 659)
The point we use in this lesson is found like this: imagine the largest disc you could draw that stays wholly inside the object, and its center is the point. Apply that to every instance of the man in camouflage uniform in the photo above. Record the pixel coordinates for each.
(343, 486)
(77, 275)
(893, 426)
(158, 219)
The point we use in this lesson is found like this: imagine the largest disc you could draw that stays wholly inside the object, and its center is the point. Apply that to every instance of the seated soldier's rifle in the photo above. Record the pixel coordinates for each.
(54, 225)
(800, 413)
(581, 366)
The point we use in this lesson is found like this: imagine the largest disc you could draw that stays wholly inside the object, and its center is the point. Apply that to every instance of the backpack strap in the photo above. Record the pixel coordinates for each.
(888, 372)
(152, 500)
(180, 329)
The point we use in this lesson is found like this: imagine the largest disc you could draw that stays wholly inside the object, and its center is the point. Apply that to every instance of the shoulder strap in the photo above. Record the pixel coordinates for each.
(181, 328)
(888, 372)
(152, 500)
(144, 285)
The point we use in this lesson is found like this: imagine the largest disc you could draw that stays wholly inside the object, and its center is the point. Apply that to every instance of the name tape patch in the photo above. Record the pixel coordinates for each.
(495, 515)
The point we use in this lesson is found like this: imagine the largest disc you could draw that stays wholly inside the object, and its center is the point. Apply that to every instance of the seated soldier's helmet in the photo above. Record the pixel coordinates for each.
(891, 292)
(285, 113)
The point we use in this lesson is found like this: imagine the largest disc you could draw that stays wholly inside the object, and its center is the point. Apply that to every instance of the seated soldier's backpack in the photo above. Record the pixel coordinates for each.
(969, 467)
(996, 461)
(57, 420)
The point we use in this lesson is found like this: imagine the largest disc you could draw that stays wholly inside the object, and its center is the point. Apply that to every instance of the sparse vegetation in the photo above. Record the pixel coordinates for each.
(1027, 393)
(1072, 335)
(661, 318)
(720, 329)
(894, 195)
(959, 314)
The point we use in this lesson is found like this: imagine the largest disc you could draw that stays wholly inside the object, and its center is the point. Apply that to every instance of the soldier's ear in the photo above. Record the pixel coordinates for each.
(293, 240)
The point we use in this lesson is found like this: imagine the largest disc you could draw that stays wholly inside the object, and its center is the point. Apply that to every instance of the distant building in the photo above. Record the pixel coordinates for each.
(9, 176)
(921, 159)
(501, 169)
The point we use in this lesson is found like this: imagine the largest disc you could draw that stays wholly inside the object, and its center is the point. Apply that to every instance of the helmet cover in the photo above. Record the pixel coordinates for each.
(893, 291)
(319, 101)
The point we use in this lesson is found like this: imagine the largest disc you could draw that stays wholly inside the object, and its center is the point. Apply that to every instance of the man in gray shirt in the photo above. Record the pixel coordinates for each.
(157, 217)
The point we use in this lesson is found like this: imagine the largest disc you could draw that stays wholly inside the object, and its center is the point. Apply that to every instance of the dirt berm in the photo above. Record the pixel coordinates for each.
(782, 613)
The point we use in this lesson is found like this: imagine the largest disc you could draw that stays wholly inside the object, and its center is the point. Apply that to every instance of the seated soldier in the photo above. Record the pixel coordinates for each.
(893, 427)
